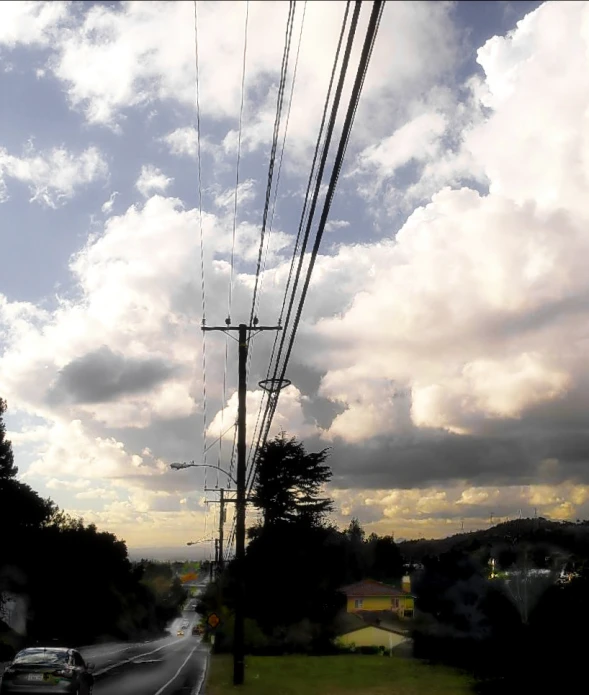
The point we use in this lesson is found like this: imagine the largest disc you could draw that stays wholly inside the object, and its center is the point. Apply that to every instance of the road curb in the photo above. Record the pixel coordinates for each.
(199, 688)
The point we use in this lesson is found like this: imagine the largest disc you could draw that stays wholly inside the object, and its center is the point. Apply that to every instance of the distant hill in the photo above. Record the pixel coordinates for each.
(555, 537)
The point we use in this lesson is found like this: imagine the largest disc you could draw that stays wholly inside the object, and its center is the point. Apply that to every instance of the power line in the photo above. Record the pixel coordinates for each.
(373, 25)
(277, 119)
(202, 254)
(272, 221)
(372, 30)
(292, 88)
(238, 159)
(279, 105)
(232, 262)
(308, 212)
(312, 176)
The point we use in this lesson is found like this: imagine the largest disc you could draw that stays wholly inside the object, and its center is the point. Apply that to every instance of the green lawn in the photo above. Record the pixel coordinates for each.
(335, 675)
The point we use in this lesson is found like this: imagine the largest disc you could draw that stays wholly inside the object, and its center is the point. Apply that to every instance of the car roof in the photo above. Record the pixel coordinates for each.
(41, 650)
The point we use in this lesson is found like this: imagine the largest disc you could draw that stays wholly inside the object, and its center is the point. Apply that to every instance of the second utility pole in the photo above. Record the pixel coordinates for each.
(222, 502)
(239, 633)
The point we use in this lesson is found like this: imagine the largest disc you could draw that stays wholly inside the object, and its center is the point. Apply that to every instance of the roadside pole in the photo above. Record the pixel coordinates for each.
(240, 502)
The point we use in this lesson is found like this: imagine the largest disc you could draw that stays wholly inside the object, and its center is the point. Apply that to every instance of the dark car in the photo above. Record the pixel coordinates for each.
(48, 670)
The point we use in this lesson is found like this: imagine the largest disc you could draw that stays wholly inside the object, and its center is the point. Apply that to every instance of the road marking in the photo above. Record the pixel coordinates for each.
(173, 678)
(198, 686)
(133, 658)
(112, 651)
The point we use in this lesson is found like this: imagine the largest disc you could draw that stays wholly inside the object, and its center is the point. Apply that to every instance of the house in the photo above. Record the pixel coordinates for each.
(368, 629)
(370, 595)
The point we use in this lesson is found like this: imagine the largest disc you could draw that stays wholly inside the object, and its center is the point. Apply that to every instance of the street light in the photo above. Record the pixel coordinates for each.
(202, 540)
(181, 466)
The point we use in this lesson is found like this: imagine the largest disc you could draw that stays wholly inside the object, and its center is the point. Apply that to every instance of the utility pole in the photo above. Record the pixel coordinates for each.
(239, 633)
(222, 515)
(216, 551)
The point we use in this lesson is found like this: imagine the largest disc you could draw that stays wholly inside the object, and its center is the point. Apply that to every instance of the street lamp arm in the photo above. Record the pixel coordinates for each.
(210, 465)
(180, 466)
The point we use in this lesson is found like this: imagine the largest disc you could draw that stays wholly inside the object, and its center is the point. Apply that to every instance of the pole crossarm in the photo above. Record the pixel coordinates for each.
(236, 328)
(255, 329)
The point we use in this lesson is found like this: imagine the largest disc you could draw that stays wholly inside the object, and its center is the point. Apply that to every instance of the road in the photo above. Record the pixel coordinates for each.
(171, 665)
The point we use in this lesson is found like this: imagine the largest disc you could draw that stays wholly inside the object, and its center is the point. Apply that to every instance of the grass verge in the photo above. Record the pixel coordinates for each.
(336, 675)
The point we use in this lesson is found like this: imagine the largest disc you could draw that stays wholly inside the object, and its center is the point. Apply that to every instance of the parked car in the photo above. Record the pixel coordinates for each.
(47, 669)
(198, 630)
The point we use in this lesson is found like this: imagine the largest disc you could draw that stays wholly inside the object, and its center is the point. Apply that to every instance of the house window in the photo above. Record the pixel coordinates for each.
(358, 603)
(395, 603)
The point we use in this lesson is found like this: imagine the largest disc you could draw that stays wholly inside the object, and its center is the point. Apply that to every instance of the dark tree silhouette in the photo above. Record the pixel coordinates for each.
(7, 468)
(289, 481)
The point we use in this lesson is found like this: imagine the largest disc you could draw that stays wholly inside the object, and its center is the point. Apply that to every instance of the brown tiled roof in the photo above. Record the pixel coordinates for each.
(370, 587)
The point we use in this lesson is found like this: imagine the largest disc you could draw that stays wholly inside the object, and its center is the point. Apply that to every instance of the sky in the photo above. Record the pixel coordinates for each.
(442, 354)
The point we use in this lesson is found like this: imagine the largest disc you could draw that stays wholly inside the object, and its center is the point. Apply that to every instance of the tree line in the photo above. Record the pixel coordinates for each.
(75, 583)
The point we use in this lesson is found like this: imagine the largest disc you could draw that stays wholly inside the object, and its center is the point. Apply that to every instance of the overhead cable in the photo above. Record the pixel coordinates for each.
(308, 214)
(277, 119)
(371, 32)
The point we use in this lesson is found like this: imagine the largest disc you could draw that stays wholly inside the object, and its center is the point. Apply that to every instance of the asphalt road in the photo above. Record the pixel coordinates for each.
(171, 665)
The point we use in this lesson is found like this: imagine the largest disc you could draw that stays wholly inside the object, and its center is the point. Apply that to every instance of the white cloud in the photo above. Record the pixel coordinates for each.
(417, 139)
(246, 191)
(108, 205)
(289, 416)
(53, 176)
(183, 141)
(334, 225)
(152, 180)
(468, 318)
(492, 286)
(69, 449)
(111, 59)
(29, 22)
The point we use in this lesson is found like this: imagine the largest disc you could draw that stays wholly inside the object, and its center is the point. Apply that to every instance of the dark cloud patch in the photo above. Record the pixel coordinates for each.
(103, 376)
(433, 457)
(321, 411)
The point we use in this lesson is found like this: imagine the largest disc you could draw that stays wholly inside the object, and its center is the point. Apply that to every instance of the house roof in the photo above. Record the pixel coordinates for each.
(351, 622)
(370, 587)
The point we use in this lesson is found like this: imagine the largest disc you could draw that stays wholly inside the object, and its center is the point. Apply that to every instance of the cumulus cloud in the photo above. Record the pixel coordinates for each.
(183, 141)
(54, 176)
(71, 450)
(446, 362)
(28, 22)
(152, 180)
(111, 59)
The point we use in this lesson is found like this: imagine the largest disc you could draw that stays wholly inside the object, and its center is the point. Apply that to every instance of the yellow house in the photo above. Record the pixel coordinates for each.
(370, 595)
(372, 636)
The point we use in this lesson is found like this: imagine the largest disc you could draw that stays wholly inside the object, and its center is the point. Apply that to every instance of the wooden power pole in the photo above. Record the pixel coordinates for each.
(240, 501)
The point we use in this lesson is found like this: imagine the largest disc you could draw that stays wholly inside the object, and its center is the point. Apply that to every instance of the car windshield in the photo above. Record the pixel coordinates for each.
(41, 656)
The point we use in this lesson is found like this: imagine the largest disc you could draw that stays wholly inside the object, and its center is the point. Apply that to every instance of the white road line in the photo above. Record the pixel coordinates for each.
(133, 658)
(198, 686)
(173, 678)
(113, 651)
